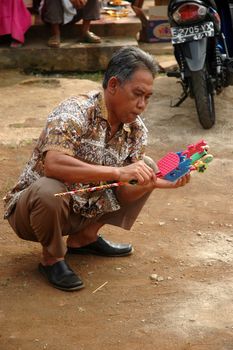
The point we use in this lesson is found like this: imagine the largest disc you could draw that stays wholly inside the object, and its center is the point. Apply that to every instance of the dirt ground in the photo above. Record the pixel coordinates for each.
(184, 236)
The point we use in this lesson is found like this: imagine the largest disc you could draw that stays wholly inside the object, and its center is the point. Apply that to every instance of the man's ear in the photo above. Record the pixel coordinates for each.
(113, 83)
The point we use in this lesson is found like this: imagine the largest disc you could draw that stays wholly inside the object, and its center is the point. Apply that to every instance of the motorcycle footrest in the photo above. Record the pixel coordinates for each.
(174, 74)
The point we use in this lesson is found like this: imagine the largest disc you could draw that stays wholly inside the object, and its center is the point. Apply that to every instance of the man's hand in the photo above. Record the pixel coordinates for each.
(78, 4)
(138, 171)
(161, 183)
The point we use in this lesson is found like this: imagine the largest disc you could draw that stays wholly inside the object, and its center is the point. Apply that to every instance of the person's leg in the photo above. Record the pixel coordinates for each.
(52, 14)
(137, 3)
(90, 12)
(55, 36)
(87, 239)
(40, 216)
(85, 236)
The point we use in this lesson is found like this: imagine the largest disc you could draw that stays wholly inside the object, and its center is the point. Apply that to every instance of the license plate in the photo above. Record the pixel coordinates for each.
(197, 32)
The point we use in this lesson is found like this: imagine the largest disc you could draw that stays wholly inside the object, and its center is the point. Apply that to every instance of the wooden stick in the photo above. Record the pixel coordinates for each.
(102, 285)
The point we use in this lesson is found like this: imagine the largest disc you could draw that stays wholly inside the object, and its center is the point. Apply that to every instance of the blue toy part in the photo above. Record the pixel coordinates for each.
(181, 170)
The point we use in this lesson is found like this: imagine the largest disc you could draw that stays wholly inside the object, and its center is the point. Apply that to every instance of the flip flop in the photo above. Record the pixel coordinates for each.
(54, 41)
(15, 44)
(91, 38)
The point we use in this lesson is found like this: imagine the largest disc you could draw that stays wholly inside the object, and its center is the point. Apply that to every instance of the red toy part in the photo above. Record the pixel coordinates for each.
(199, 147)
(167, 164)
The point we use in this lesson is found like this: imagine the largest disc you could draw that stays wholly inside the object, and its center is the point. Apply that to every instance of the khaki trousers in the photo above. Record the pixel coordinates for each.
(41, 217)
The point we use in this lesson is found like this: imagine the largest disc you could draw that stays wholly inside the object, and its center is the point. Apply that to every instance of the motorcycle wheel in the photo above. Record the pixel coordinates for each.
(204, 98)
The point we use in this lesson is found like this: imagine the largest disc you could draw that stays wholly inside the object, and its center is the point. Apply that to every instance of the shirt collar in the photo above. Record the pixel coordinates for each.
(102, 105)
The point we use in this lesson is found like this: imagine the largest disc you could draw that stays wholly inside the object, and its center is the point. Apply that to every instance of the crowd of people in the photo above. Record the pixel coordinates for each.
(16, 19)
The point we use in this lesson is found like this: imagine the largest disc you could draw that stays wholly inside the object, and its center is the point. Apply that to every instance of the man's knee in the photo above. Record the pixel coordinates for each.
(44, 190)
(52, 11)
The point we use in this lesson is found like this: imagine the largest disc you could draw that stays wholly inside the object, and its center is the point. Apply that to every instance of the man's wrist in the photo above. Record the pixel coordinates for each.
(117, 174)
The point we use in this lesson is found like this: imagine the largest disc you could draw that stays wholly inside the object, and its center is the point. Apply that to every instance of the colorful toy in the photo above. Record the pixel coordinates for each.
(171, 167)
(175, 165)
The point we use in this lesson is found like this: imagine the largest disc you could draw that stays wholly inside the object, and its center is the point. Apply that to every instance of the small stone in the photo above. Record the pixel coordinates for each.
(160, 278)
(199, 233)
(154, 277)
(81, 309)
(161, 223)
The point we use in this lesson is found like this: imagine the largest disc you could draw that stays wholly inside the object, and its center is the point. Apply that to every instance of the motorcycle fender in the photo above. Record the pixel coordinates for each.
(195, 54)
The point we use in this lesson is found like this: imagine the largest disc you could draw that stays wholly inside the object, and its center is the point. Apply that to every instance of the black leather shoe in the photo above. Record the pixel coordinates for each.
(104, 248)
(61, 276)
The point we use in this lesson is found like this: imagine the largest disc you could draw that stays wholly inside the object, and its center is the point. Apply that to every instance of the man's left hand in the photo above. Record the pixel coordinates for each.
(161, 183)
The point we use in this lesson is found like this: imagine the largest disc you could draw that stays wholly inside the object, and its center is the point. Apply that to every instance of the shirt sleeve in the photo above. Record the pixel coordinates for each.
(65, 127)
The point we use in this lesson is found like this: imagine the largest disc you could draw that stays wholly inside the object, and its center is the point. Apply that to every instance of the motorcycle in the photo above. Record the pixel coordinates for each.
(202, 37)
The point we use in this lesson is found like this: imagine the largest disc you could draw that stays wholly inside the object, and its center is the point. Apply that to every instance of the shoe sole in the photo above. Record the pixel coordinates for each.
(91, 252)
(71, 289)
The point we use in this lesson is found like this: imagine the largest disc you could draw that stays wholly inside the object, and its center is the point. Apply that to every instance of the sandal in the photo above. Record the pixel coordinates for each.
(54, 41)
(15, 44)
(91, 38)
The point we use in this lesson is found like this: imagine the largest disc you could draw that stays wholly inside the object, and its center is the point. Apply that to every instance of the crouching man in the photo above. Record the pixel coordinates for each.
(88, 139)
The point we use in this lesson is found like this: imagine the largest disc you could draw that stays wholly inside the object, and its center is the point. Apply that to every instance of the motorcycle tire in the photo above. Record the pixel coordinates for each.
(204, 98)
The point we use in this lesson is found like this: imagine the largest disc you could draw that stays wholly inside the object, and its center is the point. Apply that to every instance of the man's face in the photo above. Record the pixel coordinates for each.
(132, 97)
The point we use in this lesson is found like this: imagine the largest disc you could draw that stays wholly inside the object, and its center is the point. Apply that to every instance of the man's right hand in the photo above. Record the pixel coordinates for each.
(138, 171)
(78, 3)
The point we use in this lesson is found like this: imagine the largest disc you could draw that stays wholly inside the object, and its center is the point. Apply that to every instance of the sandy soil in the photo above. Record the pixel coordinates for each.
(185, 236)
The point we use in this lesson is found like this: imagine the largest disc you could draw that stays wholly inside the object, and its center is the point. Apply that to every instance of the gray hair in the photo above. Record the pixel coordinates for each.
(126, 61)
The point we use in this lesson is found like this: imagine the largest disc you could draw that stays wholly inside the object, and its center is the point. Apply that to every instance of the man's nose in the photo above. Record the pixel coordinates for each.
(142, 103)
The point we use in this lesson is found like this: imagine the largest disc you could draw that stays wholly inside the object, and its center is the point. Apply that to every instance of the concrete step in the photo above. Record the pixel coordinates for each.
(73, 56)
(70, 57)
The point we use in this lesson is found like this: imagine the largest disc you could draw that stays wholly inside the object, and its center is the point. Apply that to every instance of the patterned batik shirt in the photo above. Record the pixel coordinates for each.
(79, 127)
